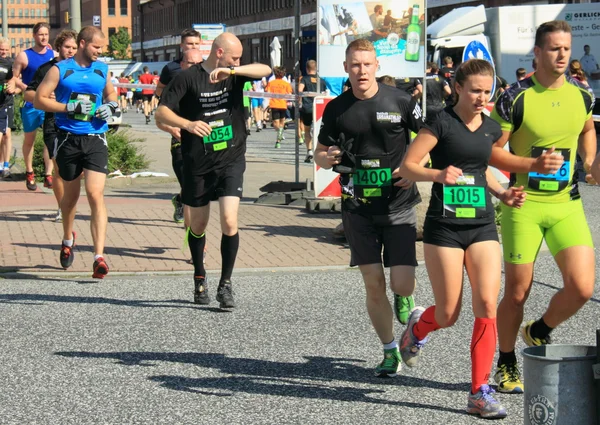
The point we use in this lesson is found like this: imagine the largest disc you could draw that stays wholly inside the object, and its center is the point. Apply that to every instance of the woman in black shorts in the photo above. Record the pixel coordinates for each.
(460, 229)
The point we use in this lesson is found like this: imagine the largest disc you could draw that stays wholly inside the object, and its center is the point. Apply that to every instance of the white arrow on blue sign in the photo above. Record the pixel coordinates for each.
(477, 50)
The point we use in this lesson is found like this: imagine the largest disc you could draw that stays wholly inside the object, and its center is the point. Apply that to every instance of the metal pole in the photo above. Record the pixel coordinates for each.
(75, 12)
(297, 74)
(5, 18)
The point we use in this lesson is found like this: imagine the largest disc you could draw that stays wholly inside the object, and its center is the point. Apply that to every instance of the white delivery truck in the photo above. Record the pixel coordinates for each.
(509, 34)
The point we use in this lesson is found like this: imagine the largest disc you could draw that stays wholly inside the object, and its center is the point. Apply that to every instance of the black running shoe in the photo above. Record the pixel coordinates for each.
(67, 255)
(200, 291)
(225, 295)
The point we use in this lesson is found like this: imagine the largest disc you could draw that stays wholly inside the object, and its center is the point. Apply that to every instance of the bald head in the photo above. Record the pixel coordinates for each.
(191, 57)
(226, 50)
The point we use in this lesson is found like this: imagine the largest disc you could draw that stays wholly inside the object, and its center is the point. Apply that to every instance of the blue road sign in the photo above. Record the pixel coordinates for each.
(477, 50)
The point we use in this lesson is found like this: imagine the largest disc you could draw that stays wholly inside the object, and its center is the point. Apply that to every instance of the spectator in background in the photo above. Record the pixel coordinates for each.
(534, 66)
(155, 80)
(257, 104)
(447, 72)
(521, 74)
(438, 89)
(247, 107)
(588, 62)
(123, 93)
(576, 71)
(309, 83)
(278, 106)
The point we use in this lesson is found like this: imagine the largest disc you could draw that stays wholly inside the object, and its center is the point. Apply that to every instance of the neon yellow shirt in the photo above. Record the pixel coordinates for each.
(539, 118)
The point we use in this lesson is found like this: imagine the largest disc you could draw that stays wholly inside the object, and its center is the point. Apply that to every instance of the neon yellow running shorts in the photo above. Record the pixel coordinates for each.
(562, 225)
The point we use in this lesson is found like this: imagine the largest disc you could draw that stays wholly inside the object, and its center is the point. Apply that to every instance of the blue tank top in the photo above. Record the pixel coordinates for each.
(76, 83)
(34, 60)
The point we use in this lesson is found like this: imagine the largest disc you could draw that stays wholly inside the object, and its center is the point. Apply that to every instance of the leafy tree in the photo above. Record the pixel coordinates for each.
(119, 43)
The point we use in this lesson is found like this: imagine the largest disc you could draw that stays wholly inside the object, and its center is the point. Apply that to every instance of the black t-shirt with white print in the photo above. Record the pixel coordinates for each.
(220, 105)
(470, 151)
(380, 128)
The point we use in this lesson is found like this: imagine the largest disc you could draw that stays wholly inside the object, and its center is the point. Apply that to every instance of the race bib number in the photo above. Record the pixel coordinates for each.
(466, 198)
(371, 179)
(551, 182)
(82, 96)
(221, 136)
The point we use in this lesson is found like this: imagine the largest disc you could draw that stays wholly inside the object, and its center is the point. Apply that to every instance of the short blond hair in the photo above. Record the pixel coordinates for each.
(360, 44)
(4, 40)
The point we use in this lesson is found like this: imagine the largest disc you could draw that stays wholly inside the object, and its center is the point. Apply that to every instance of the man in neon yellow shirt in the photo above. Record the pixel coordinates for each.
(548, 120)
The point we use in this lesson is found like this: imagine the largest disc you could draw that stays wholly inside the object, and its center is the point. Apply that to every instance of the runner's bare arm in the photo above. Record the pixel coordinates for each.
(547, 163)
(253, 70)
(168, 117)
(173, 131)
(595, 171)
(513, 196)
(587, 144)
(327, 156)
(19, 65)
(159, 89)
(44, 95)
(416, 157)
(109, 94)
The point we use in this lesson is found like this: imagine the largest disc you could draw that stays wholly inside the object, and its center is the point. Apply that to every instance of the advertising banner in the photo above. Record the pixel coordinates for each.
(208, 32)
(396, 28)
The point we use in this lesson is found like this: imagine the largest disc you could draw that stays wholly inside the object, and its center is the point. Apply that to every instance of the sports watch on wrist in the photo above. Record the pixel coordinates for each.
(231, 70)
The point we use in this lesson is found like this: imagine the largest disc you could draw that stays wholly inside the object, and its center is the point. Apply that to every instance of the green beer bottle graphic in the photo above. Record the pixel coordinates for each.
(413, 37)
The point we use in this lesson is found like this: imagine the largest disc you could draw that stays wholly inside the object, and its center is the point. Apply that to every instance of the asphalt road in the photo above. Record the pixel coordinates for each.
(299, 349)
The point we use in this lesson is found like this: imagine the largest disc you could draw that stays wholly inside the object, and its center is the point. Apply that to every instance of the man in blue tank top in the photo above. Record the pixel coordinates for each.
(24, 67)
(84, 99)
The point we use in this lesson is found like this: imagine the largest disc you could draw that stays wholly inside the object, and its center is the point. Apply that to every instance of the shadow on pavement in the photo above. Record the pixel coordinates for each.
(44, 298)
(250, 376)
(25, 216)
(319, 234)
(142, 252)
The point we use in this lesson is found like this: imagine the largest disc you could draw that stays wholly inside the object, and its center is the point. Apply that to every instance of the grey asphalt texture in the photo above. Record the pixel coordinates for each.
(298, 349)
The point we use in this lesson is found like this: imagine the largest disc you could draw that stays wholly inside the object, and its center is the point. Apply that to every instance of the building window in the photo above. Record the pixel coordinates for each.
(20, 13)
(27, 13)
(45, 14)
(26, 1)
(124, 8)
(111, 7)
(111, 32)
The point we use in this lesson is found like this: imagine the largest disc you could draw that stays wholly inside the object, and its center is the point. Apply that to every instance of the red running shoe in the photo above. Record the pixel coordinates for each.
(100, 268)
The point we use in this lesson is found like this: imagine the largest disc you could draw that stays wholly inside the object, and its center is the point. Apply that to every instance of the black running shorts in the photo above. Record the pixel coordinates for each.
(278, 114)
(147, 97)
(75, 153)
(307, 118)
(199, 190)
(396, 234)
(49, 133)
(7, 116)
(436, 232)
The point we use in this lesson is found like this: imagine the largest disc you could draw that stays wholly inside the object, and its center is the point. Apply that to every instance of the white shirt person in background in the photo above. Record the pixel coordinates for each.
(588, 62)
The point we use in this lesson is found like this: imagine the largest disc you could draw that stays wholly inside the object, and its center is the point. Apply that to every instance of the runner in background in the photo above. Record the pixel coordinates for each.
(147, 94)
(278, 106)
(6, 109)
(309, 83)
(24, 67)
(123, 93)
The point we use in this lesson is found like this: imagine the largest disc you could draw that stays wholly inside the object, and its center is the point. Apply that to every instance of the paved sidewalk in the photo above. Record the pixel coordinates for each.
(143, 238)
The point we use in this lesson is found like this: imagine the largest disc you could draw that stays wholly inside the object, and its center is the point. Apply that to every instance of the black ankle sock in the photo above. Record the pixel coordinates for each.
(539, 329)
(197, 244)
(229, 249)
(507, 358)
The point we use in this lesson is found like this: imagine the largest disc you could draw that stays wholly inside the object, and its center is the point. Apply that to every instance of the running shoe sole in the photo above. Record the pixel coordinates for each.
(100, 270)
(69, 262)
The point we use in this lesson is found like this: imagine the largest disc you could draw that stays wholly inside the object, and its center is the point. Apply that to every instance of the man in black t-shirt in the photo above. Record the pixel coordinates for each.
(412, 86)
(309, 83)
(364, 135)
(208, 98)
(437, 90)
(66, 46)
(6, 108)
(190, 39)
(447, 72)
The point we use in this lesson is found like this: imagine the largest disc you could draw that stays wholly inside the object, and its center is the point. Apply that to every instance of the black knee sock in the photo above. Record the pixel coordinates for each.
(507, 358)
(539, 329)
(229, 249)
(197, 244)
